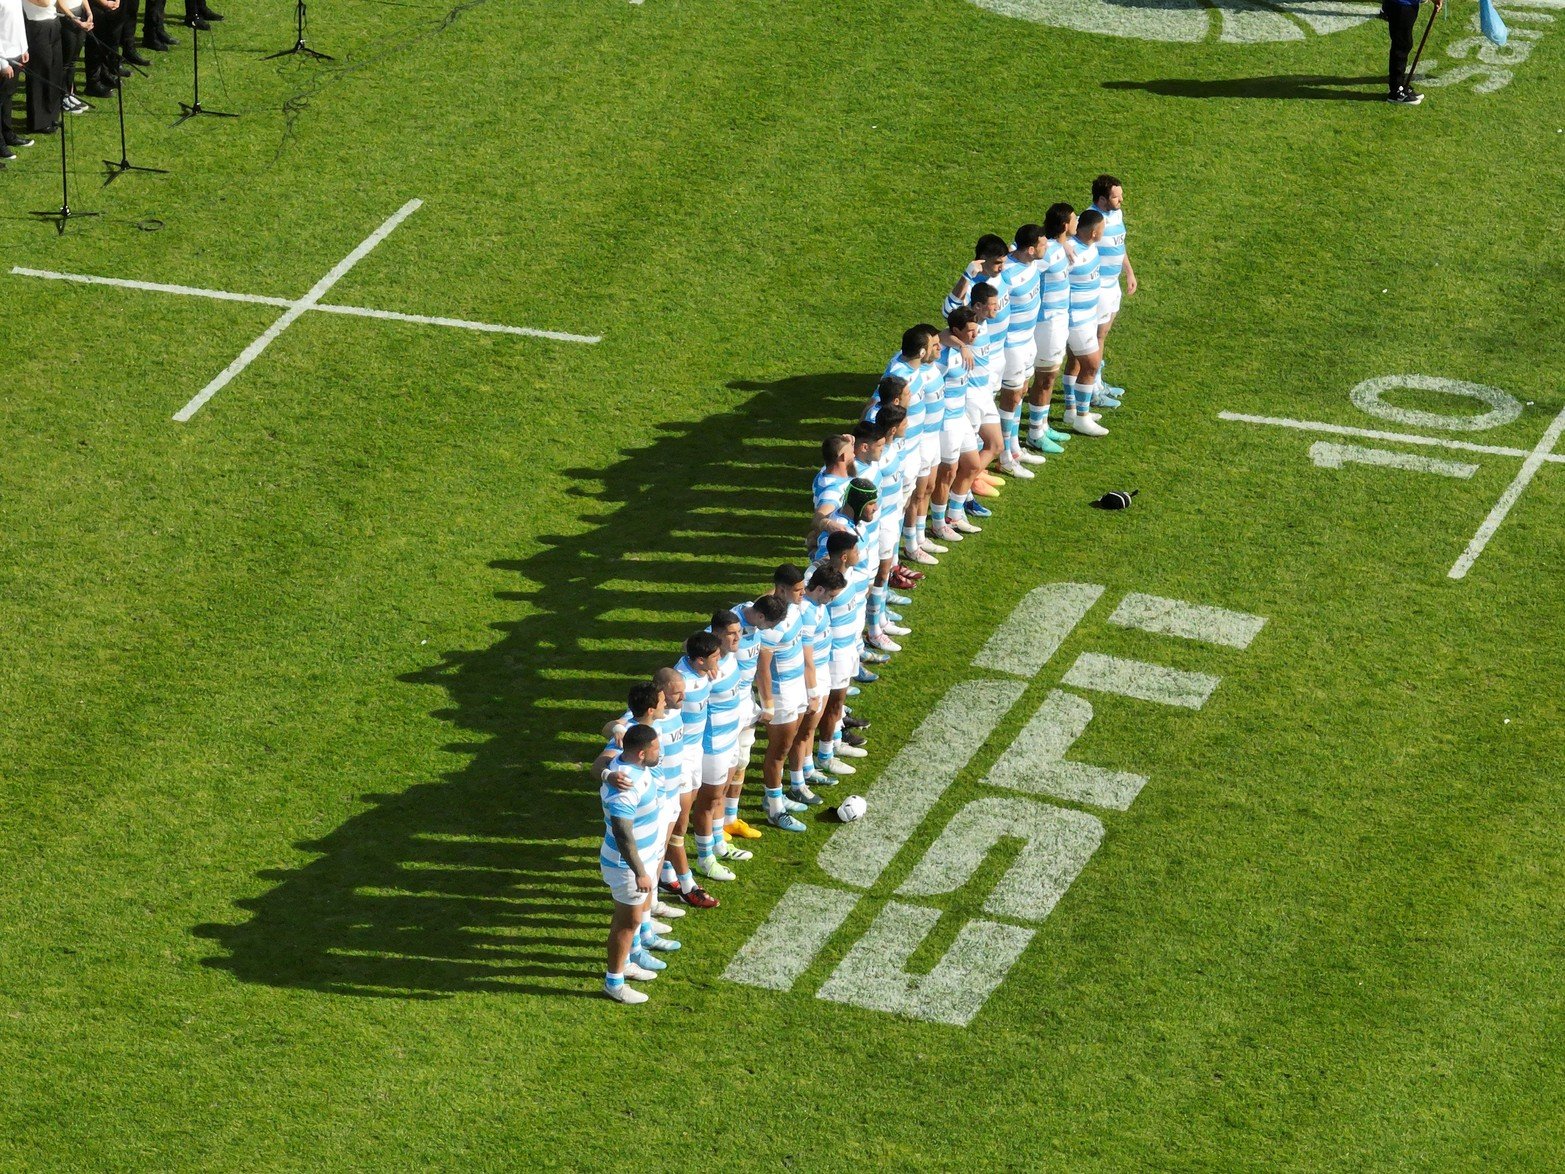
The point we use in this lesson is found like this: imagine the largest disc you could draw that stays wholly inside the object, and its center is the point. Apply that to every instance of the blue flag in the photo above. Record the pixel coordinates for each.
(1491, 24)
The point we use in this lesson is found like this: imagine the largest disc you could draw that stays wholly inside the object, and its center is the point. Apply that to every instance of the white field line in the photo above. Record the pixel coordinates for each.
(1535, 459)
(293, 312)
(1509, 4)
(788, 940)
(1035, 762)
(1373, 434)
(1326, 455)
(1188, 621)
(1033, 632)
(221, 295)
(461, 323)
(1143, 681)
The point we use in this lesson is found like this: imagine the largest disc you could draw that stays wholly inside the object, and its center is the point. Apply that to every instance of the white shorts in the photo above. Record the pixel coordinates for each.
(788, 702)
(957, 437)
(692, 778)
(929, 451)
(1050, 336)
(1084, 340)
(910, 473)
(1018, 364)
(622, 883)
(890, 534)
(1108, 302)
(746, 731)
(715, 767)
(980, 405)
(844, 663)
(822, 681)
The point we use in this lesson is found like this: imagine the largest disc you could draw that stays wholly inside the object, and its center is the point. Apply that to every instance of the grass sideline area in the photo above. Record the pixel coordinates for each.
(298, 854)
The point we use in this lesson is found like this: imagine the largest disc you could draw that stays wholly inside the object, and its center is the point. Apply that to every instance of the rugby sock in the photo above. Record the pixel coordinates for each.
(823, 754)
(703, 846)
(796, 777)
(669, 875)
(923, 522)
(909, 537)
(877, 609)
(774, 801)
(613, 980)
(1036, 419)
(719, 838)
(730, 809)
(958, 504)
(1083, 399)
(937, 514)
(687, 881)
(1008, 431)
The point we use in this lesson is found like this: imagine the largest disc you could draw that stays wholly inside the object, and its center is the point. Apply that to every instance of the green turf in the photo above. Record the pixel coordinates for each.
(296, 847)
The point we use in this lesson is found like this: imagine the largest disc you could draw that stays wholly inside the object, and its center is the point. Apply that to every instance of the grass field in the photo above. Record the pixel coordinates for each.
(297, 855)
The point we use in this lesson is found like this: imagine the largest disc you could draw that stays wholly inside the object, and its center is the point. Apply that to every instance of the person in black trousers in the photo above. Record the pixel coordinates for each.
(103, 49)
(1402, 17)
(154, 29)
(129, 10)
(45, 67)
(75, 25)
(198, 15)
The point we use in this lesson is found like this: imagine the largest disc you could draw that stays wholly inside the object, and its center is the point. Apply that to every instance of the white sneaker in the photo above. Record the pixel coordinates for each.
(1011, 468)
(709, 867)
(624, 994)
(837, 767)
(882, 643)
(639, 973)
(1030, 458)
(851, 752)
(933, 547)
(661, 927)
(963, 526)
(668, 912)
(896, 630)
(920, 556)
(945, 532)
(1085, 425)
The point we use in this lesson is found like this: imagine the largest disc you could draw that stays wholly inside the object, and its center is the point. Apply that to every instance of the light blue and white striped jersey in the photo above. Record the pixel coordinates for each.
(954, 382)
(671, 766)
(749, 646)
(1111, 249)
(841, 520)
(817, 634)
(722, 713)
(899, 367)
(786, 641)
(640, 804)
(1055, 287)
(889, 472)
(846, 612)
(989, 352)
(698, 698)
(1023, 281)
(870, 470)
(1003, 309)
(929, 387)
(1084, 286)
(829, 488)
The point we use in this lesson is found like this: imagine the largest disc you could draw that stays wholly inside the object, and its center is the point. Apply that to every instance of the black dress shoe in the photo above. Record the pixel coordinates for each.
(18, 141)
(155, 46)
(165, 40)
(136, 58)
(7, 153)
(124, 71)
(208, 14)
(197, 22)
(44, 130)
(100, 91)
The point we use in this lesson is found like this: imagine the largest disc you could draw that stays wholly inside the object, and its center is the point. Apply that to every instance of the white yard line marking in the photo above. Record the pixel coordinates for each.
(1046, 615)
(1035, 762)
(221, 295)
(1143, 681)
(1535, 460)
(1188, 621)
(1326, 455)
(293, 309)
(788, 940)
(1374, 434)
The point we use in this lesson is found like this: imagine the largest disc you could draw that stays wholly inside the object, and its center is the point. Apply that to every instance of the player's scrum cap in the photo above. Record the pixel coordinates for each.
(860, 493)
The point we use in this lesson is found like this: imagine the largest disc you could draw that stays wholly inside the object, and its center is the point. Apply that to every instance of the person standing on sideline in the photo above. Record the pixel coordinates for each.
(75, 26)
(13, 56)
(1402, 18)
(103, 49)
(1108, 197)
(45, 67)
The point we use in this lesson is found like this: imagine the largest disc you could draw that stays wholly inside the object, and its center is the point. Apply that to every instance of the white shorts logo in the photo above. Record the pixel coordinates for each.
(1230, 21)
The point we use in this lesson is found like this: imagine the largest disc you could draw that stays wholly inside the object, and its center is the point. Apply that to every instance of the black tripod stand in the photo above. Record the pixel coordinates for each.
(299, 46)
(194, 107)
(64, 212)
(118, 169)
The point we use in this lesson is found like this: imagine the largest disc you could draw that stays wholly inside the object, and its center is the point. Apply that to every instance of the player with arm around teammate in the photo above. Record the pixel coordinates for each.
(631, 817)
(823, 585)
(1053, 329)
(1081, 372)
(1023, 282)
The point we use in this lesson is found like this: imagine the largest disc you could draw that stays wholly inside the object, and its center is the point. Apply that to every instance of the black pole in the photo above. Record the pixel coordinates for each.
(299, 46)
(64, 212)
(118, 169)
(1412, 69)
(194, 107)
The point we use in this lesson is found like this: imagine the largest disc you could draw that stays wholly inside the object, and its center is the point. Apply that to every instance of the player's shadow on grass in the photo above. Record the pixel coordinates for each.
(486, 879)
(1285, 87)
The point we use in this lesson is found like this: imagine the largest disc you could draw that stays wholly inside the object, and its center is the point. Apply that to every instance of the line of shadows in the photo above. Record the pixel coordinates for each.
(487, 879)
(1283, 87)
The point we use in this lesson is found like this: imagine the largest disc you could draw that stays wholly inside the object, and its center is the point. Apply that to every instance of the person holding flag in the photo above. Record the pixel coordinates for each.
(1402, 18)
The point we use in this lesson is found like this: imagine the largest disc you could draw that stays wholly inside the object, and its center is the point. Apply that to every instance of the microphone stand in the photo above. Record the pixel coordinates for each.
(118, 169)
(64, 212)
(299, 46)
(194, 107)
